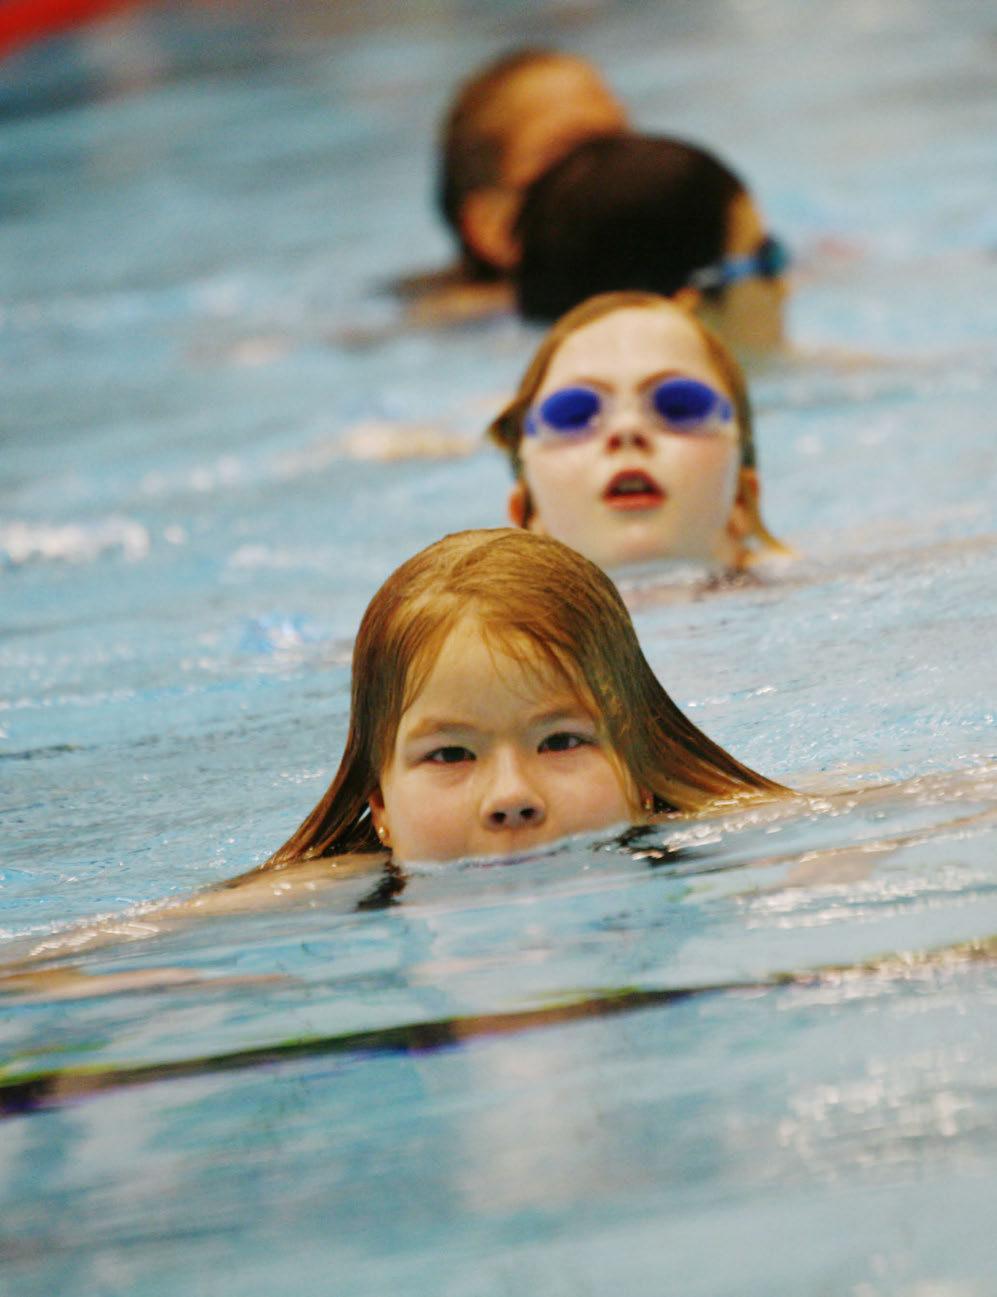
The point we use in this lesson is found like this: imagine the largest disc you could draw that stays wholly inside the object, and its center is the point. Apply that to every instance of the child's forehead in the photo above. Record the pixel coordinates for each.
(480, 656)
(633, 342)
(544, 84)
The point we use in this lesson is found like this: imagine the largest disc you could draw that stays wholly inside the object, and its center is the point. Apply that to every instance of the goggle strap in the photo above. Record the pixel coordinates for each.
(768, 261)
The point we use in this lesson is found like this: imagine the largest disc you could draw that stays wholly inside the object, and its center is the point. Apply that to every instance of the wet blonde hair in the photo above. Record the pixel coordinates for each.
(539, 601)
(507, 429)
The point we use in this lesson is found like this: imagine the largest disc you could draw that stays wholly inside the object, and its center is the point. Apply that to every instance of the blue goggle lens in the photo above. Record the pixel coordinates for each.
(571, 410)
(686, 404)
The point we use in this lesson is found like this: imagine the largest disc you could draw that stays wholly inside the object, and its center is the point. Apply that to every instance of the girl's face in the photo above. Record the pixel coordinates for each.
(494, 757)
(633, 490)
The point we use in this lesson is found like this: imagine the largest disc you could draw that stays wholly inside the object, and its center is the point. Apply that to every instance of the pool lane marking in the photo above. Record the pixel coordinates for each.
(52, 1089)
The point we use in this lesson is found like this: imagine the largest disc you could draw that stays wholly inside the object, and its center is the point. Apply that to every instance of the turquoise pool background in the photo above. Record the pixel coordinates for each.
(197, 207)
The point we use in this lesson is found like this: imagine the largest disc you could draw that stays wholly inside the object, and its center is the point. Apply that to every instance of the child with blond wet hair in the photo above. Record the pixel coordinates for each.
(501, 701)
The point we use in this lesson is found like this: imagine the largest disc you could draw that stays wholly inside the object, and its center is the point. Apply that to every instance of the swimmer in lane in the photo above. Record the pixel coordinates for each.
(630, 439)
(659, 215)
(507, 123)
(500, 703)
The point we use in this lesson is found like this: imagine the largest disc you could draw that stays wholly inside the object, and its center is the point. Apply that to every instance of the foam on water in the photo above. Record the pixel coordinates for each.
(80, 543)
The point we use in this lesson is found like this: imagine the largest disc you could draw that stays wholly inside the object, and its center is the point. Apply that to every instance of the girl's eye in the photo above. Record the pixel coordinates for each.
(449, 755)
(562, 742)
(572, 409)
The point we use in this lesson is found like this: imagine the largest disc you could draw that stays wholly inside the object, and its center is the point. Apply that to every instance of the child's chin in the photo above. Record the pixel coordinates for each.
(661, 557)
(477, 858)
(630, 551)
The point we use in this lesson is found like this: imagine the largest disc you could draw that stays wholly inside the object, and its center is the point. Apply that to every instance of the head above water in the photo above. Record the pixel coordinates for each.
(650, 213)
(701, 496)
(509, 122)
(547, 663)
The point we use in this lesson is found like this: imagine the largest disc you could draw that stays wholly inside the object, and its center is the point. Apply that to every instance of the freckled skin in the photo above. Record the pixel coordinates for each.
(621, 354)
(492, 758)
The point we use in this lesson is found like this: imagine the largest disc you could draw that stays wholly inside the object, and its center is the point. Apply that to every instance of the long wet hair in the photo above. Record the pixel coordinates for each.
(506, 430)
(540, 602)
(621, 212)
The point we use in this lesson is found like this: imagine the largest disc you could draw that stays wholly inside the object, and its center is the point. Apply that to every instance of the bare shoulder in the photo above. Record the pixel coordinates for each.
(281, 884)
(258, 889)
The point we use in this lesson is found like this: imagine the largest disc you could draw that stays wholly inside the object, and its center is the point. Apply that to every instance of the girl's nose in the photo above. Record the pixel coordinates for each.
(628, 438)
(626, 432)
(511, 802)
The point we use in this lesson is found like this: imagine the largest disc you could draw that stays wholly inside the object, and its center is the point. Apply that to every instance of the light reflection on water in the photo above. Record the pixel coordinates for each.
(747, 1054)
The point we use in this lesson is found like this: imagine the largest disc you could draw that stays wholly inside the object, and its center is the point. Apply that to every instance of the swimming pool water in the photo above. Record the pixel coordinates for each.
(749, 1056)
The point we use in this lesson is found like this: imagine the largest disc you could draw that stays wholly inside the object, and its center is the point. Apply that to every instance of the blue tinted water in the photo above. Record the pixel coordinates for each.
(587, 1072)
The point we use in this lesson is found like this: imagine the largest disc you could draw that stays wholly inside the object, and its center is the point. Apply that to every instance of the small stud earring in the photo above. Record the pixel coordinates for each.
(648, 801)
(382, 833)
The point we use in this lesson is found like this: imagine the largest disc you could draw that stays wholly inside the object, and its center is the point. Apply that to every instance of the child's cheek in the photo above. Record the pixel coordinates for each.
(591, 795)
(430, 819)
(561, 487)
(704, 474)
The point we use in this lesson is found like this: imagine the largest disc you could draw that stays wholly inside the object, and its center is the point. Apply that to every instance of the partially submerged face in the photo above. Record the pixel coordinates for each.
(494, 756)
(634, 488)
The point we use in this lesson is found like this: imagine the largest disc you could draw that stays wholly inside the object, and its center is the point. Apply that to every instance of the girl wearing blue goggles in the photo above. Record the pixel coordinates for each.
(630, 438)
(683, 406)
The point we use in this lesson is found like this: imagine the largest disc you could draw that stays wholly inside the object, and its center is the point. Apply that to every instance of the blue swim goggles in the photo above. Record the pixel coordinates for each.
(682, 405)
(768, 261)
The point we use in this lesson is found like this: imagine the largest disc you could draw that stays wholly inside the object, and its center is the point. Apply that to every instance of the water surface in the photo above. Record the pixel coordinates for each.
(745, 1055)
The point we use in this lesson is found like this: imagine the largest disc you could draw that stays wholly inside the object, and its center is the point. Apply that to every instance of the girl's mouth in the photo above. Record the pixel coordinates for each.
(633, 489)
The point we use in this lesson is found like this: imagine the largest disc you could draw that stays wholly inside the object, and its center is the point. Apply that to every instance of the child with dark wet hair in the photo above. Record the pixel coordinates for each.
(653, 214)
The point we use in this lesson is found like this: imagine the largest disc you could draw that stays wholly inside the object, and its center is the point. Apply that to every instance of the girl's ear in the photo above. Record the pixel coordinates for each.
(379, 818)
(745, 520)
(517, 505)
(521, 510)
(740, 524)
(688, 298)
(487, 219)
